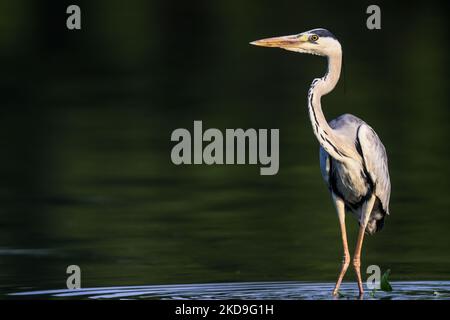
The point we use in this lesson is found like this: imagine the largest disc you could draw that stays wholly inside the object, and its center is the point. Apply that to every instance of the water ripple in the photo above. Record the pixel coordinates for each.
(248, 290)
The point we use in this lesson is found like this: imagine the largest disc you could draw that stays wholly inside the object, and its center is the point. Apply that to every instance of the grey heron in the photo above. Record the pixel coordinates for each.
(353, 160)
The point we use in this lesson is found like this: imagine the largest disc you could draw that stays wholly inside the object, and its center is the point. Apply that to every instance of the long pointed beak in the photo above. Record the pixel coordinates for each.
(285, 42)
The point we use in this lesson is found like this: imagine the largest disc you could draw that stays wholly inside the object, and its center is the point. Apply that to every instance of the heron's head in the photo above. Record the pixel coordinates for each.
(317, 41)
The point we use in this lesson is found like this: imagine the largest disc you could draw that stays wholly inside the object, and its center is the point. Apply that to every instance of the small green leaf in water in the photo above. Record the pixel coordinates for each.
(436, 293)
(385, 285)
(372, 293)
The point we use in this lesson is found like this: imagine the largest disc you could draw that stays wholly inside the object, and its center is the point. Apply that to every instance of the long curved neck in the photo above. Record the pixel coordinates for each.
(326, 136)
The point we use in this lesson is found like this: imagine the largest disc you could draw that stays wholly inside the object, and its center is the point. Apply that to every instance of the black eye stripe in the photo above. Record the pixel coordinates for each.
(322, 33)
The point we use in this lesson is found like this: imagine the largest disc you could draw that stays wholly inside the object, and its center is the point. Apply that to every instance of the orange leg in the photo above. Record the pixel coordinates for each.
(365, 214)
(340, 208)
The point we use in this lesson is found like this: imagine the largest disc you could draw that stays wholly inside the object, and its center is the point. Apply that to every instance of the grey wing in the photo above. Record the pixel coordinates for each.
(325, 166)
(376, 163)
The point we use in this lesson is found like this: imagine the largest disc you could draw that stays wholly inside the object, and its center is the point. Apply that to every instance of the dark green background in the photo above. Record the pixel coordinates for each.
(86, 118)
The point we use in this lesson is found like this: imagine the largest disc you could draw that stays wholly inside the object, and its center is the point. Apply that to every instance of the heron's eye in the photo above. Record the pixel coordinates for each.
(314, 38)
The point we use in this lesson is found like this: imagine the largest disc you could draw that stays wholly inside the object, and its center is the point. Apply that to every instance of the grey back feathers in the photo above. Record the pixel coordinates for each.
(375, 162)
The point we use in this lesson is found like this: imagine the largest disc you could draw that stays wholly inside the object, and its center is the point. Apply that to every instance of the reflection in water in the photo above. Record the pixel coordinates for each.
(250, 290)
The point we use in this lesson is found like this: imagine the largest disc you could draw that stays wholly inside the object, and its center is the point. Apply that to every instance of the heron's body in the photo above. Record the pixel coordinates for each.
(353, 160)
(351, 181)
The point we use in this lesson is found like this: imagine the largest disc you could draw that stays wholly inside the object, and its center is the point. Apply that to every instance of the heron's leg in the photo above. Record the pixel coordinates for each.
(340, 208)
(365, 214)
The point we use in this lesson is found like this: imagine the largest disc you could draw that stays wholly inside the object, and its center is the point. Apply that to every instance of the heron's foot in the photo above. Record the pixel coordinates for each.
(344, 267)
(357, 266)
(335, 291)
